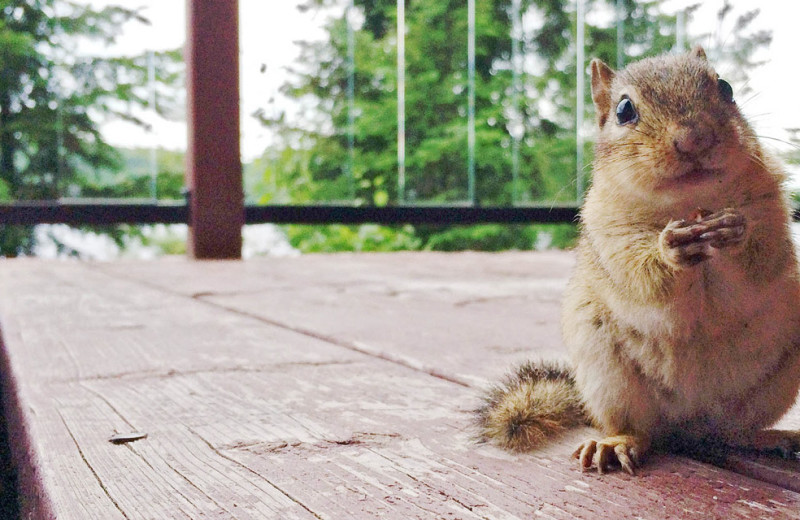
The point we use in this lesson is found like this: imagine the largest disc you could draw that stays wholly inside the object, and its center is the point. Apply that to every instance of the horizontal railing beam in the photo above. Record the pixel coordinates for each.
(94, 213)
(105, 212)
(137, 212)
(323, 214)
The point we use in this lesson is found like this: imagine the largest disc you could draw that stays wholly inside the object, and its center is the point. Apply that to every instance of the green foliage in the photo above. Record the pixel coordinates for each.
(5, 192)
(174, 245)
(53, 99)
(486, 237)
(16, 240)
(501, 237)
(166, 241)
(562, 236)
(134, 179)
(312, 160)
(366, 238)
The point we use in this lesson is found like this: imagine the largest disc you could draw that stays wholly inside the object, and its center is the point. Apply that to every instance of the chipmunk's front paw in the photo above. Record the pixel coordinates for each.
(625, 451)
(688, 242)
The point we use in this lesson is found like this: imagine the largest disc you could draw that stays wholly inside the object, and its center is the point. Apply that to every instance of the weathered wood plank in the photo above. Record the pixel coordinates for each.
(348, 441)
(79, 336)
(246, 419)
(468, 317)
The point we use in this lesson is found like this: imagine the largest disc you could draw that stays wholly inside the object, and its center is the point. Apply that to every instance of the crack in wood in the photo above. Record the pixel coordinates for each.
(237, 369)
(357, 439)
(201, 296)
(186, 479)
(349, 345)
(91, 468)
(250, 470)
(447, 496)
(182, 495)
(108, 403)
(489, 299)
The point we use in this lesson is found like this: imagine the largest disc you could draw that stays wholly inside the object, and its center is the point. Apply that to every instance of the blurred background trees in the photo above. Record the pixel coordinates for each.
(525, 105)
(334, 123)
(54, 96)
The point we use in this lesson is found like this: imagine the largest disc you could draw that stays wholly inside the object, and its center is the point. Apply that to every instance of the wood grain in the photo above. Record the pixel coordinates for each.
(319, 387)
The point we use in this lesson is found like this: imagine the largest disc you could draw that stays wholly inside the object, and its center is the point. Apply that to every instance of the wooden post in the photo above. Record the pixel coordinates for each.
(214, 168)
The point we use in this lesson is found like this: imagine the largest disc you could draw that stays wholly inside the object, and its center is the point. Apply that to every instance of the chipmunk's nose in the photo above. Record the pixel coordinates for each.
(693, 138)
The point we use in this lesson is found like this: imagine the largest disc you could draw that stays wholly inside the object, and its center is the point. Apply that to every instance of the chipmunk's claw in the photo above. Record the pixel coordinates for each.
(689, 242)
(624, 451)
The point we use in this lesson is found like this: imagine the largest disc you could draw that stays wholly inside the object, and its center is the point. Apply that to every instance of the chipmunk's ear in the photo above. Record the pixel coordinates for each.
(602, 75)
(698, 52)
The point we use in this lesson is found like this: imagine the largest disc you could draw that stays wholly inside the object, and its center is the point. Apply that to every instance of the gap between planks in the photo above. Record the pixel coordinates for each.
(355, 346)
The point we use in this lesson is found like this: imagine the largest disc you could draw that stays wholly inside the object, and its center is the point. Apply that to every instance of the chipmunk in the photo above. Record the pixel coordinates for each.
(682, 316)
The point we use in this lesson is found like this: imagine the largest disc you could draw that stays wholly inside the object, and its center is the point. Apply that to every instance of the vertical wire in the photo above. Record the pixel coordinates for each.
(351, 96)
(401, 100)
(471, 195)
(151, 79)
(516, 88)
(59, 148)
(580, 68)
(620, 15)
(57, 68)
(680, 31)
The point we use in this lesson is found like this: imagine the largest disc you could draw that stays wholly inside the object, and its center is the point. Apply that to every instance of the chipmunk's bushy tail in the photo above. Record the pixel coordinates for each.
(532, 405)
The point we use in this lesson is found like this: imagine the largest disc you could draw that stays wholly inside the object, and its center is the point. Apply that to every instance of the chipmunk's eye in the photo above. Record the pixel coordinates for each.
(626, 112)
(725, 90)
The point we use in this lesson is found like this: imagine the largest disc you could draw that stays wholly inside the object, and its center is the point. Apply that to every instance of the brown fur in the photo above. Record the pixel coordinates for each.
(534, 404)
(682, 315)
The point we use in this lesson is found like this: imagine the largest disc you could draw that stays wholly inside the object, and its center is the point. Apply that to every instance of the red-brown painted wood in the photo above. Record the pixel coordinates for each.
(259, 410)
(214, 171)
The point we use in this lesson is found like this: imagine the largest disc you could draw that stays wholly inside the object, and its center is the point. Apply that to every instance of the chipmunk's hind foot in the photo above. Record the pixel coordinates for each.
(784, 443)
(623, 451)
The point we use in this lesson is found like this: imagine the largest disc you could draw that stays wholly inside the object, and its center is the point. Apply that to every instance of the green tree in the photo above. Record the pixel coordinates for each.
(134, 179)
(53, 99)
(312, 159)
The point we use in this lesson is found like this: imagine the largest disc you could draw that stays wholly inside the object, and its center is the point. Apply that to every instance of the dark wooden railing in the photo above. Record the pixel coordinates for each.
(215, 211)
(105, 212)
(213, 164)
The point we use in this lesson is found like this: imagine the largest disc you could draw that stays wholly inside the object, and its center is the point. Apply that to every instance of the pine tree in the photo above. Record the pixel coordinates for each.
(53, 99)
(536, 106)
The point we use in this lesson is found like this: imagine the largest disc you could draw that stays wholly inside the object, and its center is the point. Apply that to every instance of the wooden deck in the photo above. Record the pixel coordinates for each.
(330, 387)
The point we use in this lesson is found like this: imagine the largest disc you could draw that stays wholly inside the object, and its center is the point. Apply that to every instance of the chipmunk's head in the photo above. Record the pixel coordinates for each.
(669, 125)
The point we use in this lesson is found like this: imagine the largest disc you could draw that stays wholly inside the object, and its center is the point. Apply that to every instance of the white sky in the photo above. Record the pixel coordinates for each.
(268, 29)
